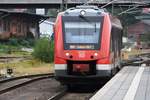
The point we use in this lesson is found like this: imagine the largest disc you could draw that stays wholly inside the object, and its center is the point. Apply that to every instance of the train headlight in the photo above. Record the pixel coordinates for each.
(95, 54)
(67, 54)
(82, 12)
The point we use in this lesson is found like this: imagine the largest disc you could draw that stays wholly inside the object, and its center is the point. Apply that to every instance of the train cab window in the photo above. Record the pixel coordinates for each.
(82, 33)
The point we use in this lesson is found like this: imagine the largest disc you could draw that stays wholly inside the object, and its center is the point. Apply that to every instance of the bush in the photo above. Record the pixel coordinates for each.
(26, 42)
(15, 45)
(19, 42)
(145, 37)
(13, 42)
(44, 50)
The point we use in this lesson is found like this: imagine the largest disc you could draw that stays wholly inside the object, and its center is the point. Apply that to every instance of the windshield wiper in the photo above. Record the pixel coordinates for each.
(95, 27)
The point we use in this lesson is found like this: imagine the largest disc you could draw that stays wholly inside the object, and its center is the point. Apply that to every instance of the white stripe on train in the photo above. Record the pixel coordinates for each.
(98, 66)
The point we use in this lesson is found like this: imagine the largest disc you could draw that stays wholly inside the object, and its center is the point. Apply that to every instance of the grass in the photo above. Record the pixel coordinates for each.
(13, 48)
(28, 67)
(128, 54)
(16, 54)
(7, 50)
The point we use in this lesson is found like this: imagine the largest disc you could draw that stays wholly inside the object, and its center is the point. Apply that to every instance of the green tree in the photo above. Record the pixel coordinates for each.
(44, 49)
(145, 37)
(125, 18)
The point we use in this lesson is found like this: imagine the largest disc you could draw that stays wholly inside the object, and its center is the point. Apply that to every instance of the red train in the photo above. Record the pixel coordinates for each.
(87, 45)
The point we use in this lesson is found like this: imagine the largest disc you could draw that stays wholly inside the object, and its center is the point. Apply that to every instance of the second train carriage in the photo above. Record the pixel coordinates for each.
(87, 45)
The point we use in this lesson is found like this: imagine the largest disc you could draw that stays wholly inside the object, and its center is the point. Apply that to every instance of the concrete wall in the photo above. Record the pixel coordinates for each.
(29, 1)
(68, 1)
(46, 28)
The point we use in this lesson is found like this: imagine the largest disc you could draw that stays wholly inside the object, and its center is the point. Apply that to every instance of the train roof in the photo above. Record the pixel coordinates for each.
(90, 11)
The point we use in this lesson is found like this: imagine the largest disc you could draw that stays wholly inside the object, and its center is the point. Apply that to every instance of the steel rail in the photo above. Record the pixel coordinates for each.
(43, 76)
(59, 95)
(21, 77)
(13, 57)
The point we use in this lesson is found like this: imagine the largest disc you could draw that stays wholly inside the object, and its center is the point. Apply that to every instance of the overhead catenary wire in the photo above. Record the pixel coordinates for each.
(126, 11)
(109, 3)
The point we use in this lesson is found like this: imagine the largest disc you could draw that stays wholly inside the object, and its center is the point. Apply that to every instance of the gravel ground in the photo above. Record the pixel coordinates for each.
(40, 90)
(44, 89)
(81, 92)
(12, 83)
(77, 96)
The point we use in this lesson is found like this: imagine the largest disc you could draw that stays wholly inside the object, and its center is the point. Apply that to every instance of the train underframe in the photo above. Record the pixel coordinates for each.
(83, 72)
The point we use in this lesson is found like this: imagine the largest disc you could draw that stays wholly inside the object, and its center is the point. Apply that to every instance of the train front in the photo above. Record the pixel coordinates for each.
(81, 48)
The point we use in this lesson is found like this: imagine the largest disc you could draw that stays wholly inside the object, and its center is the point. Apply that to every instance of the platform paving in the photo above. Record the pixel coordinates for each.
(131, 83)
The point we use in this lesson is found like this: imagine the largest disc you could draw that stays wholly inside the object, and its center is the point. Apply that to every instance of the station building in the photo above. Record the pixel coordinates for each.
(19, 24)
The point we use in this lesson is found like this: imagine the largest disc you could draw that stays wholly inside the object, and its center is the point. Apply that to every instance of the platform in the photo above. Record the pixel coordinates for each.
(131, 83)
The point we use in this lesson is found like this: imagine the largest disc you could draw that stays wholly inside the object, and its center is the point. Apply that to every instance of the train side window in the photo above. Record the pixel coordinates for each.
(112, 40)
(111, 44)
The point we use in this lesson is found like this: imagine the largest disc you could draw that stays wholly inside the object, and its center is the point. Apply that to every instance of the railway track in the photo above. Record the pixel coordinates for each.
(74, 94)
(65, 95)
(59, 95)
(13, 58)
(137, 60)
(9, 84)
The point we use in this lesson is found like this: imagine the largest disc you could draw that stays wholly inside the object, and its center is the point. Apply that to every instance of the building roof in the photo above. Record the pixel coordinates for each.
(139, 28)
(30, 15)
